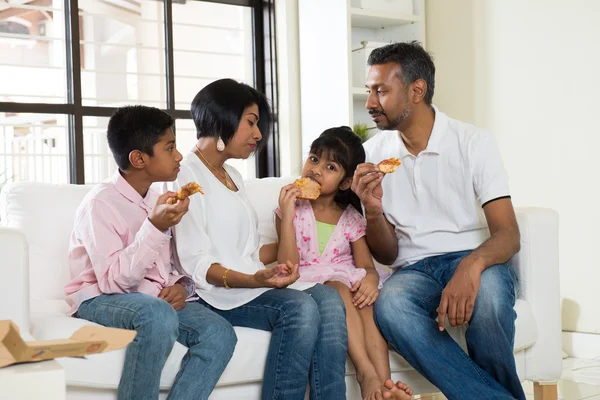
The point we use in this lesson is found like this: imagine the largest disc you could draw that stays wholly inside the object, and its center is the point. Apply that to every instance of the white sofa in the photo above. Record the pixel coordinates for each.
(38, 219)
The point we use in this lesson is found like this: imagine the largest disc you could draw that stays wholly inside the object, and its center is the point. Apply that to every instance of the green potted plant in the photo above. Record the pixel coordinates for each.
(362, 130)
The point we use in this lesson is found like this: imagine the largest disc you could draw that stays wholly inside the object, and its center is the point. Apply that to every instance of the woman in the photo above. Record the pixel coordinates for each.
(219, 248)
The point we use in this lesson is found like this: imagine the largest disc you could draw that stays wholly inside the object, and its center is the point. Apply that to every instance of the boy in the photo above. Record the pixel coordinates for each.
(121, 264)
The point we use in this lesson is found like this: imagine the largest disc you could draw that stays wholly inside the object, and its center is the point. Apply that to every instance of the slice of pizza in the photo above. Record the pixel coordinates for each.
(186, 191)
(390, 165)
(311, 190)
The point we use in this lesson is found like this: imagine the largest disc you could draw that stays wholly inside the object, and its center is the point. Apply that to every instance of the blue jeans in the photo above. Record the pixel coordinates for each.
(308, 342)
(210, 339)
(406, 315)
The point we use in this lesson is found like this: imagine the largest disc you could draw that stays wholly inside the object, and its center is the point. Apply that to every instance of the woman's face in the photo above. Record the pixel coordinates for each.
(246, 138)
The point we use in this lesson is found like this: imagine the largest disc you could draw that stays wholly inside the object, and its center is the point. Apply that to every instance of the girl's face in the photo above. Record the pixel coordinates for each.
(246, 138)
(329, 174)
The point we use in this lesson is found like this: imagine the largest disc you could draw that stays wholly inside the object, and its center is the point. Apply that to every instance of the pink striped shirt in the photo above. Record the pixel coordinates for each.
(114, 248)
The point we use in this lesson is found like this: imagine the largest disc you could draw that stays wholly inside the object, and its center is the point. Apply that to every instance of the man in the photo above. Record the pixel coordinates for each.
(445, 222)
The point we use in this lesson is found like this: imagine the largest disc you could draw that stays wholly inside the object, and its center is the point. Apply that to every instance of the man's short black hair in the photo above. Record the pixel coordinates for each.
(218, 108)
(415, 63)
(136, 128)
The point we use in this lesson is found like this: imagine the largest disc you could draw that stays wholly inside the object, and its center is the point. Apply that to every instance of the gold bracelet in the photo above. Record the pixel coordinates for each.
(225, 279)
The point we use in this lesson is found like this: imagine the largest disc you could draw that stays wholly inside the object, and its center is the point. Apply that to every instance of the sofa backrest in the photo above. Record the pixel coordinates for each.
(45, 214)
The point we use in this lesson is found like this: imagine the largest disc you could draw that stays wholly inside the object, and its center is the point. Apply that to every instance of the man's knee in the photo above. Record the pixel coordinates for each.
(496, 297)
(393, 311)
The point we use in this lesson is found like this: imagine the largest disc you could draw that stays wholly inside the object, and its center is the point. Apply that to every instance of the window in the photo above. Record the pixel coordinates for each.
(56, 98)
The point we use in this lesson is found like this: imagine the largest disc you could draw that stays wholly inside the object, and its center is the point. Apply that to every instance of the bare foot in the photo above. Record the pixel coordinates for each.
(398, 391)
(369, 386)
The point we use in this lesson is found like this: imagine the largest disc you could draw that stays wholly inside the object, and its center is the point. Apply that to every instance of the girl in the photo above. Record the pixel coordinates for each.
(325, 237)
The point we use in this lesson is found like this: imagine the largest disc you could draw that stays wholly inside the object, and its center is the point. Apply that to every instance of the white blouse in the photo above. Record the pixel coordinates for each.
(221, 227)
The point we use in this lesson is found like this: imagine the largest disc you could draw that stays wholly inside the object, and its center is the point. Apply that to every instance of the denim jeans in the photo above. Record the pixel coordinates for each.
(308, 342)
(210, 339)
(406, 315)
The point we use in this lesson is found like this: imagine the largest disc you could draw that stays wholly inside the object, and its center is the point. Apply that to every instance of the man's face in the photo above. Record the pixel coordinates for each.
(388, 97)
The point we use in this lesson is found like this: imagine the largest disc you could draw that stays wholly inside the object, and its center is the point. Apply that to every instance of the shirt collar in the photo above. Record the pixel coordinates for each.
(433, 145)
(126, 189)
(439, 127)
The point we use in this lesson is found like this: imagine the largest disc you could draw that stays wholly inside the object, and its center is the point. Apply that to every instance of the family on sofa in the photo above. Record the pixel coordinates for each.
(188, 269)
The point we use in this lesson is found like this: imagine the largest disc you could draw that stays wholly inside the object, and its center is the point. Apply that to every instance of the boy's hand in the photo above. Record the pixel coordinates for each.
(366, 291)
(287, 201)
(163, 215)
(174, 295)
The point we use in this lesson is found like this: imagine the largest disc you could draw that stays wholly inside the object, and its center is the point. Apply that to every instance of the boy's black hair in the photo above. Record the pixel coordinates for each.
(218, 108)
(136, 128)
(415, 63)
(344, 147)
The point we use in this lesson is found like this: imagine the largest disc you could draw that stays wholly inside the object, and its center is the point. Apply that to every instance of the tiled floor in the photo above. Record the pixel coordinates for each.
(580, 380)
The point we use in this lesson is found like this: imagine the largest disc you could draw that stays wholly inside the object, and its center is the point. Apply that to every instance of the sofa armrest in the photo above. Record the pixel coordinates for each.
(14, 285)
(537, 267)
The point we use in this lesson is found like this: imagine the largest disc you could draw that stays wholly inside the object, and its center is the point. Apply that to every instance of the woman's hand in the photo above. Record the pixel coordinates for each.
(287, 202)
(366, 291)
(280, 276)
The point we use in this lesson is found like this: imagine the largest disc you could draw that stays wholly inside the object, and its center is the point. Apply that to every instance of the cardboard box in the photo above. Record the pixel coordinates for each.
(89, 339)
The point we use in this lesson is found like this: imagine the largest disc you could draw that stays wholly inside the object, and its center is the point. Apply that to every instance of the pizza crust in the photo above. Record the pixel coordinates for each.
(186, 191)
(390, 165)
(311, 190)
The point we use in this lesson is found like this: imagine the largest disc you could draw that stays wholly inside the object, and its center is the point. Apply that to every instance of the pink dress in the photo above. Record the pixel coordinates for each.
(337, 262)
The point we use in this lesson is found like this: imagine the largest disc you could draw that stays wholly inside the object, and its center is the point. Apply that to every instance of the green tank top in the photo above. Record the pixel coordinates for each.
(324, 232)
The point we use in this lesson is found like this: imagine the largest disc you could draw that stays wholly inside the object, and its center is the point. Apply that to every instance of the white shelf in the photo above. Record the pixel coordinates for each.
(375, 19)
(359, 93)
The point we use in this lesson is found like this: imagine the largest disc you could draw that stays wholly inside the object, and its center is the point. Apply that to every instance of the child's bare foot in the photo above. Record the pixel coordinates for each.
(398, 391)
(369, 386)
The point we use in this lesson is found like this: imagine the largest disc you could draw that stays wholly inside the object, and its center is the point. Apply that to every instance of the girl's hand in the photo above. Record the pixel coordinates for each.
(278, 277)
(287, 202)
(366, 290)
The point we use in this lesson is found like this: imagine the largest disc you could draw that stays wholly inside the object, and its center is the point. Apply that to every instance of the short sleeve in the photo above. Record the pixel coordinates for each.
(490, 179)
(356, 225)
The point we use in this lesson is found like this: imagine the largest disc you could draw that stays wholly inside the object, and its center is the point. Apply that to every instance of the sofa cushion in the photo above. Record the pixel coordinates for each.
(247, 364)
(45, 214)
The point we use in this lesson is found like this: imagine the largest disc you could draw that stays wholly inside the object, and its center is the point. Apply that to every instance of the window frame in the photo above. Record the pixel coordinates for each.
(265, 77)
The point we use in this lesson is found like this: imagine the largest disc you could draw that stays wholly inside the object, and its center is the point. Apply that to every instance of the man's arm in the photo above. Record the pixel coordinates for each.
(458, 298)
(381, 239)
(505, 239)
(381, 236)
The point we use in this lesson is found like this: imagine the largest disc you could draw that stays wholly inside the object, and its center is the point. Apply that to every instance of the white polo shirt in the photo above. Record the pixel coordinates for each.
(435, 200)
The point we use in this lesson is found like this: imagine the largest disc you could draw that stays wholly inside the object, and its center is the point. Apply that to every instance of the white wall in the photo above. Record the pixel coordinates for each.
(530, 71)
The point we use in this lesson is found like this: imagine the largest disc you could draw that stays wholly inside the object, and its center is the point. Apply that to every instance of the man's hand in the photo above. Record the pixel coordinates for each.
(280, 276)
(366, 183)
(366, 291)
(174, 295)
(458, 298)
(163, 215)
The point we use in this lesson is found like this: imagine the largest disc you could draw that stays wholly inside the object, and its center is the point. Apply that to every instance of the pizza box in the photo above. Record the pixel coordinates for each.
(89, 339)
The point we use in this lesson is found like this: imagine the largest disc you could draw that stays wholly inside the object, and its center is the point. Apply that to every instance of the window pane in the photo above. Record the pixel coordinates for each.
(33, 147)
(122, 53)
(98, 160)
(186, 139)
(32, 52)
(210, 41)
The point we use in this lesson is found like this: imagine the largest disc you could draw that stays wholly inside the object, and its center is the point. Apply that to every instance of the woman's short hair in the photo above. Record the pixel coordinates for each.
(218, 108)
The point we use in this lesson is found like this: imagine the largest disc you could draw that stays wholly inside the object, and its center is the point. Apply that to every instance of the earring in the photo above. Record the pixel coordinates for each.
(220, 144)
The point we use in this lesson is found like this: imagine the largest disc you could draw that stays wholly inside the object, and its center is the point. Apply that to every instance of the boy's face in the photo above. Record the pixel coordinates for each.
(163, 166)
